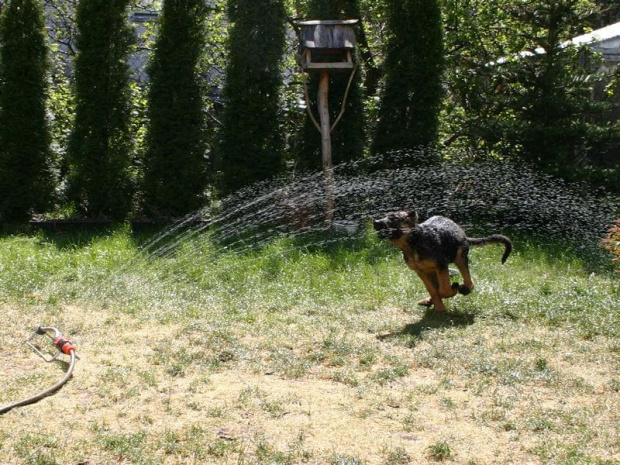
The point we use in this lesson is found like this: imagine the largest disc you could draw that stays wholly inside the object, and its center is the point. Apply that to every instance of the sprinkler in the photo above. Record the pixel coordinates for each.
(64, 346)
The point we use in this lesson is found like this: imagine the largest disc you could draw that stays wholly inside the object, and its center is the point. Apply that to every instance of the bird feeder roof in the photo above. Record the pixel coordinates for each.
(327, 34)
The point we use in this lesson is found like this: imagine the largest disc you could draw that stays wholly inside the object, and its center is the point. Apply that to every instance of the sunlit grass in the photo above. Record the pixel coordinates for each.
(550, 284)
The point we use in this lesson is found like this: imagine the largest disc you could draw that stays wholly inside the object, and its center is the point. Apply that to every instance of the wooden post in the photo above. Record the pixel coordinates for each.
(326, 46)
(326, 146)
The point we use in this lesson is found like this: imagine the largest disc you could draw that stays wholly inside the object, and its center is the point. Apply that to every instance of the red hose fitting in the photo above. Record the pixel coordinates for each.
(64, 345)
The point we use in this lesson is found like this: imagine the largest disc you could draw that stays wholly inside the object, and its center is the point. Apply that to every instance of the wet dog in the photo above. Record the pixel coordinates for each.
(430, 246)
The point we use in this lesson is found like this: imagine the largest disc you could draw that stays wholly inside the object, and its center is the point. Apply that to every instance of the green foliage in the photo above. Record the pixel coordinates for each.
(26, 180)
(612, 244)
(175, 164)
(252, 140)
(61, 104)
(440, 450)
(100, 147)
(61, 29)
(608, 12)
(414, 62)
(533, 106)
(546, 92)
(528, 94)
(349, 137)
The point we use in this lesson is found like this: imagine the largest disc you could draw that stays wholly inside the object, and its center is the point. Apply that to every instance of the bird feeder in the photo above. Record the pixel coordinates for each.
(327, 45)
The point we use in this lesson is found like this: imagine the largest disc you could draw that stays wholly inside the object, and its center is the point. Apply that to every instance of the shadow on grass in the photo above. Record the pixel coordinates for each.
(77, 239)
(431, 321)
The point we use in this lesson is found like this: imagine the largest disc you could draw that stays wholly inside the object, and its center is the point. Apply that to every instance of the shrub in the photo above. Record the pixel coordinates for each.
(612, 243)
(26, 181)
(252, 142)
(100, 146)
(414, 62)
(175, 167)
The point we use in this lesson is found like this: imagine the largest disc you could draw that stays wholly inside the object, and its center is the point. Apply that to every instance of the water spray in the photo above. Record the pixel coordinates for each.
(64, 346)
(487, 194)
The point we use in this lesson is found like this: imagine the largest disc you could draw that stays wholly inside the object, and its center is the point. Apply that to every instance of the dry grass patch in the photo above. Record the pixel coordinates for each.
(485, 392)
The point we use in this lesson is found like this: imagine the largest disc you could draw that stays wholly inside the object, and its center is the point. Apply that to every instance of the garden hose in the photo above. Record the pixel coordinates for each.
(64, 346)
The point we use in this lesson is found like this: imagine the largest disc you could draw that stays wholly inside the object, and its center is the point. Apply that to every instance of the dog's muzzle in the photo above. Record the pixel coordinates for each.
(383, 230)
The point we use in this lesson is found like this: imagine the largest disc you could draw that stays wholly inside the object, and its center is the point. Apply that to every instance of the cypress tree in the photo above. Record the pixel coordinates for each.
(348, 139)
(100, 146)
(252, 140)
(175, 166)
(409, 114)
(26, 181)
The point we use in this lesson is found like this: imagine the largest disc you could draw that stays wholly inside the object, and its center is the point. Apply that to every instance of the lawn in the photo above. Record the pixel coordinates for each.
(307, 352)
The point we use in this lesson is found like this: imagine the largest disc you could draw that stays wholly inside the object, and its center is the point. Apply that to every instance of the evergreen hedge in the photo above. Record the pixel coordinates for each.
(100, 147)
(252, 139)
(26, 180)
(411, 102)
(175, 164)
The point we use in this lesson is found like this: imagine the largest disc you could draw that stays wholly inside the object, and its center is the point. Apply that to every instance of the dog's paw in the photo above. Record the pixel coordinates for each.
(426, 302)
(463, 289)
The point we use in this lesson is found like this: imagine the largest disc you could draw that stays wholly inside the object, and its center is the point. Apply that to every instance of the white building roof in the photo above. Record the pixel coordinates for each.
(605, 41)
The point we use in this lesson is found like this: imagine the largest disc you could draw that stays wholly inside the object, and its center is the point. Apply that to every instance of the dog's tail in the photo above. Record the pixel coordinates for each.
(494, 239)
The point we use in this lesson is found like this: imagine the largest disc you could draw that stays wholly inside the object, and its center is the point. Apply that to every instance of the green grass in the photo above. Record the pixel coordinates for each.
(440, 451)
(244, 356)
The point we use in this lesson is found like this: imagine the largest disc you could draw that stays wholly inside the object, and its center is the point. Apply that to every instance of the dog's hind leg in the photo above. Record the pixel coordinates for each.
(462, 262)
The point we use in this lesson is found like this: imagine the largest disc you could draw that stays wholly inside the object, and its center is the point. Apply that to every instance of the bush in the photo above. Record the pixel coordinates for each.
(413, 93)
(252, 141)
(612, 243)
(26, 179)
(100, 146)
(175, 167)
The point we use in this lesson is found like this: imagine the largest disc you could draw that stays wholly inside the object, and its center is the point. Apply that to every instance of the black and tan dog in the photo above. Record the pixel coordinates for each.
(430, 246)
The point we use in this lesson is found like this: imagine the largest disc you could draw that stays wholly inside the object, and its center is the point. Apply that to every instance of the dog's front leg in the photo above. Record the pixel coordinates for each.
(446, 288)
(432, 286)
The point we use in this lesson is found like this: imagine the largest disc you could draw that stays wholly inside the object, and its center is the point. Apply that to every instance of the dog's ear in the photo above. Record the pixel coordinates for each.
(412, 215)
